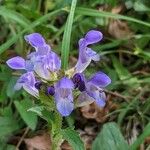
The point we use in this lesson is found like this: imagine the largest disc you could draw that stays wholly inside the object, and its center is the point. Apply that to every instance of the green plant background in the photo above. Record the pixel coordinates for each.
(126, 60)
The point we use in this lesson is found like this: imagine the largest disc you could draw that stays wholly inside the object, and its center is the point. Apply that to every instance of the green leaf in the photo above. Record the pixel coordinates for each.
(141, 138)
(140, 6)
(7, 126)
(110, 138)
(5, 146)
(49, 116)
(97, 13)
(13, 15)
(73, 138)
(67, 36)
(37, 109)
(37, 22)
(29, 118)
(48, 101)
(123, 73)
(10, 88)
(128, 107)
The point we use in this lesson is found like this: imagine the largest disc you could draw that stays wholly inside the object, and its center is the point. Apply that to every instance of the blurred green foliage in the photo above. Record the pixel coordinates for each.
(125, 59)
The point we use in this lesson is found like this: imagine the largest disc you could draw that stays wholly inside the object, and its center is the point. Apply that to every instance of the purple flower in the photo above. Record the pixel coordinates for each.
(87, 54)
(79, 81)
(46, 64)
(44, 59)
(63, 96)
(35, 39)
(93, 90)
(18, 63)
(27, 81)
(50, 90)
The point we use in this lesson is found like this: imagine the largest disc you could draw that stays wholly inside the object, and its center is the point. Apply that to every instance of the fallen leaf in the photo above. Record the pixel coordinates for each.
(92, 111)
(38, 142)
(119, 29)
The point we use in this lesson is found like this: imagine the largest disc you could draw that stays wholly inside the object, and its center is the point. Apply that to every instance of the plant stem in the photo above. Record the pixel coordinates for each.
(56, 131)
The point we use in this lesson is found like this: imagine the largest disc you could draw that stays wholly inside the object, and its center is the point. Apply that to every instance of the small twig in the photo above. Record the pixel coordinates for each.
(117, 95)
(22, 138)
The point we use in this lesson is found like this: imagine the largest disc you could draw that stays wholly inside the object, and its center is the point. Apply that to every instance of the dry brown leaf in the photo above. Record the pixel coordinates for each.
(88, 135)
(117, 9)
(119, 29)
(92, 111)
(65, 146)
(39, 142)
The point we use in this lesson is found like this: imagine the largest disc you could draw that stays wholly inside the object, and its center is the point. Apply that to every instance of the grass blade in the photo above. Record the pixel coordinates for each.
(39, 21)
(96, 13)
(67, 36)
(13, 15)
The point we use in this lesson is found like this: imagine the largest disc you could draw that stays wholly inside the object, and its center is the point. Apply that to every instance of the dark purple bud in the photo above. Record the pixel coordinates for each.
(51, 90)
(78, 81)
(38, 85)
(76, 78)
(82, 86)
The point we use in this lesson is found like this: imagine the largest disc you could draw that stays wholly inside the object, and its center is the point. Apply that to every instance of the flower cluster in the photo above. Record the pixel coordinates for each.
(44, 66)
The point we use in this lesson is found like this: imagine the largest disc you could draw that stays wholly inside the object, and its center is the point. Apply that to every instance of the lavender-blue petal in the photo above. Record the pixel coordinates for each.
(99, 97)
(82, 50)
(27, 81)
(16, 63)
(92, 54)
(43, 50)
(42, 71)
(100, 79)
(65, 107)
(31, 90)
(35, 39)
(18, 86)
(65, 83)
(93, 36)
(80, 66)
(84, 99)
(29, 65)
(52, 62)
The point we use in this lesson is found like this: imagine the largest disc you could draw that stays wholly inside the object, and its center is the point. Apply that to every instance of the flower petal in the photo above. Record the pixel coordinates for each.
(29, 65)
(16, 63)
(65, 107)
(27, 81)
(35, 39)
(98, 96)
(18, 86)
(83, 60)
(80, 67)
(42, 71)
(101, 100)
(43, 50)
(100, 79)
(84, 99)
(65, 83)
(93, 36)
(31, 90)
(92, 54)
(52, 62)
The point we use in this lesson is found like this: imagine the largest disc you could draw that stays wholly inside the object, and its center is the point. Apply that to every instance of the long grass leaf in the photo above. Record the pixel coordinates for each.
(67, 36)
(39, 21)
(96, 13)
(13, 15)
